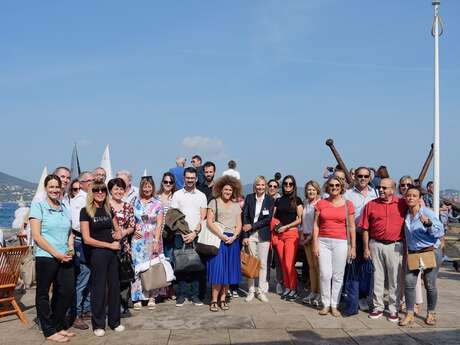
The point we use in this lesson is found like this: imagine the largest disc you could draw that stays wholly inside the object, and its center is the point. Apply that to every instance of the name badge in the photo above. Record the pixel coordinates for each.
(265, 212)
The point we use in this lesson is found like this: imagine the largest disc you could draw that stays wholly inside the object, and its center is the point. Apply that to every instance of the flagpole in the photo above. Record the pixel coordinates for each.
(436, 31)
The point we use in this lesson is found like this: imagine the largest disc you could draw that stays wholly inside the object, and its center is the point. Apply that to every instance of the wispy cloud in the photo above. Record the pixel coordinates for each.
(84, 142)
(212, 147)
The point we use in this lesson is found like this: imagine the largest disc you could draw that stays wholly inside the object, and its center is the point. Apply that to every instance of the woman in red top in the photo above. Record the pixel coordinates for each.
(332, 244)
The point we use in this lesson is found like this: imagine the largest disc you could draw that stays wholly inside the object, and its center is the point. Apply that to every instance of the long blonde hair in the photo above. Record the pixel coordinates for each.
(90, 205)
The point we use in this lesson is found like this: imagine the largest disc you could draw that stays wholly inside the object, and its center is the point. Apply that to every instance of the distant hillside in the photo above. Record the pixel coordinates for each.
(9, 180)
(13, 189)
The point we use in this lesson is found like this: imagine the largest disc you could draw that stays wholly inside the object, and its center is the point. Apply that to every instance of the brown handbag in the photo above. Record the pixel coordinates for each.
(421, 260)
(250, 264)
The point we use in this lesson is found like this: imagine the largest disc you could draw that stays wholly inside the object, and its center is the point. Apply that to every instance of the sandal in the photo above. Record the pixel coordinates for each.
(430, 319)
(213, 307)
(224, 305)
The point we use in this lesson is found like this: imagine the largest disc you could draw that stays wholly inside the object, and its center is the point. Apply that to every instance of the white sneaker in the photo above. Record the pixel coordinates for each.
(309, 299)
(250, 296)
(137, 305)
(119, 328)
(262, 297)
(151, 305)
(99, 332)
(279, 288)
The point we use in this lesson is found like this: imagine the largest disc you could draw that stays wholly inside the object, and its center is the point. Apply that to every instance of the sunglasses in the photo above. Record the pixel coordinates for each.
(272, 186)
(75, 189)
(405, 185)
(363, 176)
(334, 185)
(167, 182)
(99, 190)
(288, 184)
(86, 181)
(382, 187)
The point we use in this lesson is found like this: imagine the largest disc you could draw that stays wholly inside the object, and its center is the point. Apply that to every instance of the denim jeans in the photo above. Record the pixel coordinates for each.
(82, 274)
(429, 278)
(187, 283)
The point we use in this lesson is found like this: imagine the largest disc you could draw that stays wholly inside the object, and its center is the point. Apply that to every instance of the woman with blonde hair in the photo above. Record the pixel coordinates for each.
(224, 220)
(101, 233)
(257, 213)
(147, 243)
(312, 196)
(334, 241)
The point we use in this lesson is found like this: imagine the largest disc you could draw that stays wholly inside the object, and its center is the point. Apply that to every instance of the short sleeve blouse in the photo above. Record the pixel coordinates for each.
(226, 215)
(332, 220)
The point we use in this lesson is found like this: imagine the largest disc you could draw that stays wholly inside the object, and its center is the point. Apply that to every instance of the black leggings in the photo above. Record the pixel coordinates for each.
(104, 278)
(61, 276)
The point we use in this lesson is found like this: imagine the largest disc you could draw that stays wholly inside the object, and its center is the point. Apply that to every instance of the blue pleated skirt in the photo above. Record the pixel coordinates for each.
(225, 267)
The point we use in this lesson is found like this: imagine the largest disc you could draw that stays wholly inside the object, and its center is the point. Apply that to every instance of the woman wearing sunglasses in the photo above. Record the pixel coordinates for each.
(287, 215)
(333, 242)
(147, 241)
(101, 233)
(74, 188)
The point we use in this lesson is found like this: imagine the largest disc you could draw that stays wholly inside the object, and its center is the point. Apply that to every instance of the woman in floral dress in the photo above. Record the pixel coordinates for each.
(147, 240)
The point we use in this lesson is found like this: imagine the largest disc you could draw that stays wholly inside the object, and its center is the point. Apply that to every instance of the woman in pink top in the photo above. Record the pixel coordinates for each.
(332, 244)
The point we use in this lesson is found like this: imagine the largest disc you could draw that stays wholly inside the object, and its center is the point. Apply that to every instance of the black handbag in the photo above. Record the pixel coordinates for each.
(125, 269)
(186, 259)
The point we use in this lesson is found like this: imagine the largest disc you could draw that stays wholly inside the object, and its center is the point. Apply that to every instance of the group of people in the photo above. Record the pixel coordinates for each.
(82, 227)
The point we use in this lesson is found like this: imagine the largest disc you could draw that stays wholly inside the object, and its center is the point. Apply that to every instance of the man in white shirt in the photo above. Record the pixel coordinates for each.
(231, 170)
(193, 204)
(360, 194)
(81, 309)
(131, 192)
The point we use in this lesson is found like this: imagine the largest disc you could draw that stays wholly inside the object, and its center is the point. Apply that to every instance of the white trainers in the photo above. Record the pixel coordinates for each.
(137, 305)
(262, 297)
(99, 332)
(309, 299)
(363, 304)
(119, 328)
(151, 305)
(250, 296)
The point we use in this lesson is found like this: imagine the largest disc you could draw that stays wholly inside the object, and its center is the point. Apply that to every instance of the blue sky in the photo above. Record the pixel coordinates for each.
(261, 82)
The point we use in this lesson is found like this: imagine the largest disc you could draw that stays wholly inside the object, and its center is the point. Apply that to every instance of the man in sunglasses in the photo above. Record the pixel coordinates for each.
(382, 222)
(360, 194)
(81, 309)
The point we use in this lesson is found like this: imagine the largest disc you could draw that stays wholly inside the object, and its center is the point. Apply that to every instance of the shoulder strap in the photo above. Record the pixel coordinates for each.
(346, 223)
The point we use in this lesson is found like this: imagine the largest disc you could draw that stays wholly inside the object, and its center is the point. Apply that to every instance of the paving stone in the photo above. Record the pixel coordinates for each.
(444, 320)
(138, 337)
(381, 336)
(206, 321)
(320, 337)
(275, 321)
(260, 337)
(378, 323)
(330, 321)
(200, 337)
(437, 336)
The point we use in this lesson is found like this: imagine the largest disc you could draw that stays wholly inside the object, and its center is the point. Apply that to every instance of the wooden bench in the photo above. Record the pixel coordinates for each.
(10, 263)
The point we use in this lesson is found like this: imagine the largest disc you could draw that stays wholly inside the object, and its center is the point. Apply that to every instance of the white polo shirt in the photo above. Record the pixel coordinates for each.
(190, 204)
(76, 204)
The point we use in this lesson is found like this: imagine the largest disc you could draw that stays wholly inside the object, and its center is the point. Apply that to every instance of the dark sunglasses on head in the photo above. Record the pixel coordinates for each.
(167, 182)
(363, 176)
(382, 187)
(288, 184)
(99, 190)
(334, 184)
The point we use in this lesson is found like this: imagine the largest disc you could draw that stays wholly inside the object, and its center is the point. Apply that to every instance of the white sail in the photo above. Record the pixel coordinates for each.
(145, 172)
(40, 193)
(106, 164)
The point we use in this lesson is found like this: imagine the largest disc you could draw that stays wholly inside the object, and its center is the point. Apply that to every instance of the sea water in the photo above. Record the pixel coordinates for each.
(7, 214)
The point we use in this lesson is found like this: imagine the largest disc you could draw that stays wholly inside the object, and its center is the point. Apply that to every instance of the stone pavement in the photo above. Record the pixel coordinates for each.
(274, 323)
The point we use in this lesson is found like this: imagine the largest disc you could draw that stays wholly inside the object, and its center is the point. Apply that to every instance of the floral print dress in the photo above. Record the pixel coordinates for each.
(126, 220)
(145, 215)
